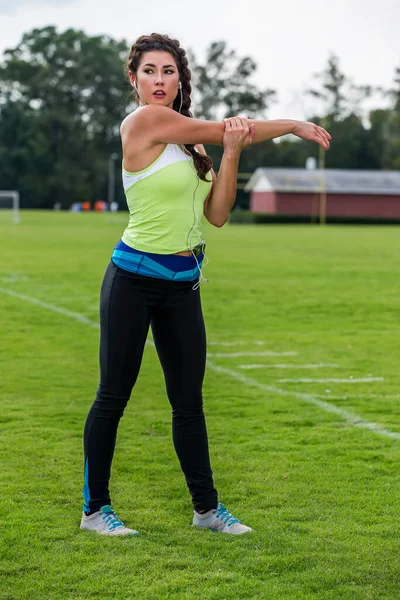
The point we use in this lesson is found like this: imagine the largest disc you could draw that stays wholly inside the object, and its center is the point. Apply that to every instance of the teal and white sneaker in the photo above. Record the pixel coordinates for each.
(106, 522)
(220, 519)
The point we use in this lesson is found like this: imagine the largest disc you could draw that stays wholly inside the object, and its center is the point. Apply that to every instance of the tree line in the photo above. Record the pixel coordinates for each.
(63, 96)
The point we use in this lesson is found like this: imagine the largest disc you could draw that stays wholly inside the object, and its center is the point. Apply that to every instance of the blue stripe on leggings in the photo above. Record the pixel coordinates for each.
(142, 264)
(86, 490)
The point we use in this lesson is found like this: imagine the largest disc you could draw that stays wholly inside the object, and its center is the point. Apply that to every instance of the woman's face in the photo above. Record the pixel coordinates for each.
(157, 72)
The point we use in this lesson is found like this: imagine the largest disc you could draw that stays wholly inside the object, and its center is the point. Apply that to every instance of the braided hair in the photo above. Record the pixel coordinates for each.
(158, 42)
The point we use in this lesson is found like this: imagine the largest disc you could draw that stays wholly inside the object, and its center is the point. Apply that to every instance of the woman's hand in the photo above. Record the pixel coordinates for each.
(312, 132)
(238, 134)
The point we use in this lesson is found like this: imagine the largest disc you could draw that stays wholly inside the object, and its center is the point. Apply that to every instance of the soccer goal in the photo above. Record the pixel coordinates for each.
(9, 200)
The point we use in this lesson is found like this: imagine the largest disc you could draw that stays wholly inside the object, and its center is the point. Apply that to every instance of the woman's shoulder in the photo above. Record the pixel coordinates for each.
(141, 124)
(146, 114)
(133, 134)
(128, 121)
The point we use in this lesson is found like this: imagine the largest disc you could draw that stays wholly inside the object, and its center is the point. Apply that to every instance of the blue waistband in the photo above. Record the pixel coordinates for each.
(163, 266)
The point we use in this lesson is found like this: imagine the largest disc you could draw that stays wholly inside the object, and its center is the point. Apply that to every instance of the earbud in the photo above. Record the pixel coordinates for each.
(180, 85)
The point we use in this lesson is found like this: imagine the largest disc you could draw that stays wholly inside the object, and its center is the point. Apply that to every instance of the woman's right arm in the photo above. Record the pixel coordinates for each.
(267, 130)
(160, 124)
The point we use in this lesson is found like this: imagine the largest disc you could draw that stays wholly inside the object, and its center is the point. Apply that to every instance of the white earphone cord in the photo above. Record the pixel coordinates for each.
(202, 279)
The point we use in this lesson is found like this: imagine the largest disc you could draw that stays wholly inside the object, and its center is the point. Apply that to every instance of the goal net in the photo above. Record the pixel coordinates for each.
(9, 201)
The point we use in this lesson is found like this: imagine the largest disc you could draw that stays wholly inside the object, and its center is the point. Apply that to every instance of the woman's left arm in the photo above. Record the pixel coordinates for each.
(222, 197)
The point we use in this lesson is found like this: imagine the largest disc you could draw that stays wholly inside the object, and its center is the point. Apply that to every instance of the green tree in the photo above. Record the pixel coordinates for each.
(379, 138)
(343, 116)
(331, 91)
(65, 94)
(337, 92)
(223, 85)
(390, 128)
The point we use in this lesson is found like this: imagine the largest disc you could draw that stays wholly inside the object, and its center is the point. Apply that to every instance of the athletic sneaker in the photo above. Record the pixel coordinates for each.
(220, 519)
(106, 522)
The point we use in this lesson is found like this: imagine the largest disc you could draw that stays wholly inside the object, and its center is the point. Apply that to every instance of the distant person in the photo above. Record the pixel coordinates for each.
(156, 269)
(113, 207)
(100, 206)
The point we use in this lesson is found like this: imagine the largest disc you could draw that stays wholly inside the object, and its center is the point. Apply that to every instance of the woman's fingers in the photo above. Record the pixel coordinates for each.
(322, 137)
(238, 134)
(238, 124)
(316, 134)
(238, 131)
(328, 135)
(232, 122)
(319, 138)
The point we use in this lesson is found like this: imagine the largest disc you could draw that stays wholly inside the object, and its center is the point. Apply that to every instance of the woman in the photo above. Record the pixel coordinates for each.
(155, 272)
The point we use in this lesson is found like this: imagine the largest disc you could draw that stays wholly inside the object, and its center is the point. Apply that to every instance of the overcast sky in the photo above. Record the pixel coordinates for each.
(289, 39)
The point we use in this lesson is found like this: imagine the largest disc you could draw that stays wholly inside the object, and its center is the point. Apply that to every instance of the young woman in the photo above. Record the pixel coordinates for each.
(155, 271)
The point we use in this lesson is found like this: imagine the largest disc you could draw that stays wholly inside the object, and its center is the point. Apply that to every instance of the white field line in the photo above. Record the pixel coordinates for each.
(238, 343)
(57, 309)
(347, 333)
(375, 331)
(238, 354)
(354, 420)
(343, 414)
(349, 380)
(292, 366)
(355, 396)
(13, 277)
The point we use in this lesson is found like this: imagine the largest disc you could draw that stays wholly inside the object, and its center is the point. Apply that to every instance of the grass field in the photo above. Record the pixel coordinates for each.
(302, 402)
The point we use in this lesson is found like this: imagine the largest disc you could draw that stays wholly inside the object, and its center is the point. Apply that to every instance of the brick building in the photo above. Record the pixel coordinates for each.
(349, 193)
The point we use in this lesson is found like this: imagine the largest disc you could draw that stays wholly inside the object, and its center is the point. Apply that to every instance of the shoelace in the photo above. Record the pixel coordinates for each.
(224, 515)
(111, 520)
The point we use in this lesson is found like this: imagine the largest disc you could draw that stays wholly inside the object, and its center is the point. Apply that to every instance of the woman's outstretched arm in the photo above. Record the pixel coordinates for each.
(157, 124)
(267, 130)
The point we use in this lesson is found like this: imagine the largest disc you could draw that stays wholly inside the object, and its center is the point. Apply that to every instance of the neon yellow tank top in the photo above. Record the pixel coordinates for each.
(166, 203)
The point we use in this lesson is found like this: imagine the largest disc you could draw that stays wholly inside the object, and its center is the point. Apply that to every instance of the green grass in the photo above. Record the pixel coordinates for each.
(321, 492)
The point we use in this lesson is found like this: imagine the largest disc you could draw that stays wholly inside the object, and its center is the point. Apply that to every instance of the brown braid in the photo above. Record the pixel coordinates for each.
(158, 42)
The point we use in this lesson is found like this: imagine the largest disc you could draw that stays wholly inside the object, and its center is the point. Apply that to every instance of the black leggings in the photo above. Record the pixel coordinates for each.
(129, 303)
